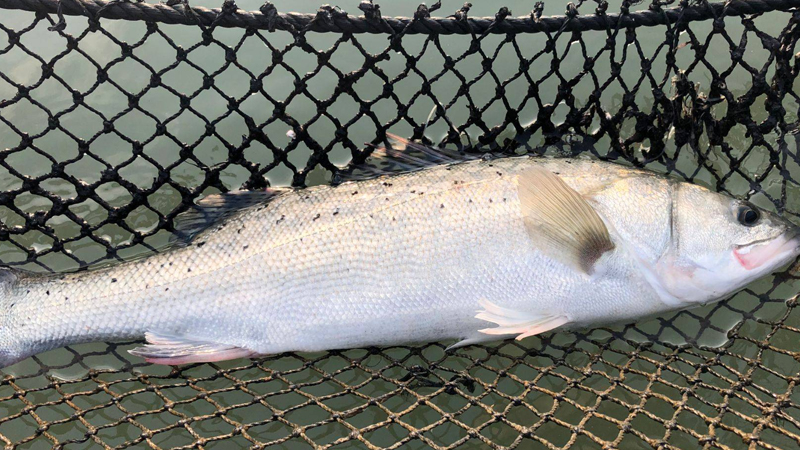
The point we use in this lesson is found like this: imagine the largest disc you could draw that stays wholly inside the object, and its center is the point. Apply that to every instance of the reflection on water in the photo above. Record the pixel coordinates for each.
(278, 399)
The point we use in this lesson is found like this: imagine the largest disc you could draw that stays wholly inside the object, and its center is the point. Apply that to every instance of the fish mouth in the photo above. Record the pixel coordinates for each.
(780, 249)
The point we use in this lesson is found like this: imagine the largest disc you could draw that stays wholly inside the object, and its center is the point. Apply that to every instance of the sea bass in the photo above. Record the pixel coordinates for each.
(470, 251)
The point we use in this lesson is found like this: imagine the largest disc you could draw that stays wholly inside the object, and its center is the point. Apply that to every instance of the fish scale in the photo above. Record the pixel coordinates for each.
(391, 260)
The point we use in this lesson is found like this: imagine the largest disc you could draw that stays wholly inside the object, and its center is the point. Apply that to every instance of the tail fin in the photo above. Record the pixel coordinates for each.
(9, 348)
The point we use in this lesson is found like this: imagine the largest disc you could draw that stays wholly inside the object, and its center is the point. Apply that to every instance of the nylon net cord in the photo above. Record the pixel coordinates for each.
(657, 384)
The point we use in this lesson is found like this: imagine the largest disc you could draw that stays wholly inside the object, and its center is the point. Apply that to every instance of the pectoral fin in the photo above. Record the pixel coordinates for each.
(174, 350)
(523, 324)
(561, 223)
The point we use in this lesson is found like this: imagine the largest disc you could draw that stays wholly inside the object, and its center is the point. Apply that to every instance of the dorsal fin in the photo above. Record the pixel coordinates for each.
(215, 208)
(402, 155)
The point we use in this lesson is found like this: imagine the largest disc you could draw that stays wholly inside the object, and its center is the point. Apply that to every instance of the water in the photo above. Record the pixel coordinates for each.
(592, 382)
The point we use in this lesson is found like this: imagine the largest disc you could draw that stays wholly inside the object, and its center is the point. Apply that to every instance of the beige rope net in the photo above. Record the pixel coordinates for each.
(111, 128)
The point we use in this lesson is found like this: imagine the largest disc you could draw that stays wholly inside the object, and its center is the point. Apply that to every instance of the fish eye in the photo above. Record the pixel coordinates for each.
(748, 215)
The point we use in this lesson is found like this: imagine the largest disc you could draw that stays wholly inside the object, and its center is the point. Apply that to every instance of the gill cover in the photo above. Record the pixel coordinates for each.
(716, 246)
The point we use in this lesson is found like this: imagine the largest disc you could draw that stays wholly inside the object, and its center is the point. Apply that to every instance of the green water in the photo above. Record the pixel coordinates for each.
(596, 372)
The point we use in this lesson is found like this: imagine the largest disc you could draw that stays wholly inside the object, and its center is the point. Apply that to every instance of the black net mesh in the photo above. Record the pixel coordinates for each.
(113, 128)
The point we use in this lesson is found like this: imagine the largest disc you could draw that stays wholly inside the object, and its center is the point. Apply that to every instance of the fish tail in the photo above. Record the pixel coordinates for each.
(9, 351)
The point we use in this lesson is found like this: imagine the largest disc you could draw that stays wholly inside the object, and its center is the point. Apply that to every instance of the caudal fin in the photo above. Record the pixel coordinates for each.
(10, 352)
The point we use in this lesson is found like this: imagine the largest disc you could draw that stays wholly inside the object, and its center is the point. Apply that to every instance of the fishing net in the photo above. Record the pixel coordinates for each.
(111, 128)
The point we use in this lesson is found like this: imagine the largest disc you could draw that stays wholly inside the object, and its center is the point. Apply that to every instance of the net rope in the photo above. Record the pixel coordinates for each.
(663, 383)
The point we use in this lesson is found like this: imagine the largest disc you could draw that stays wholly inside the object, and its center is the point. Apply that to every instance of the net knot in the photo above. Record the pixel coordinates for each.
(229, 7)
(461, 14)
(327, 14)
(502, 14)
(270, 13)
(572, 10)
(372, 12)
(657, 4)
(602, 7)
(536, 14)
(424, 12)
(61, 24)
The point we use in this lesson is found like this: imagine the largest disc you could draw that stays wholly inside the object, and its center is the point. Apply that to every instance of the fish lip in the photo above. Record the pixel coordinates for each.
(777, 247)
(792, 232)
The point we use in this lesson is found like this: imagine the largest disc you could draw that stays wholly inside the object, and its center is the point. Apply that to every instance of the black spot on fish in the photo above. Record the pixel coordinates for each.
(170, 263)
(189, 269)
(354, 193)
(490, 201)
(499, 174)
(414, 191)
(113, 280)
(12, 305)
(336, 212)
(166, 289)
(280, 220)
(200, 244)
(315, 218)
(470, 200)
(245, 247)
(386, 183)
(239, 231)
(421, 193)
(441, 206)
(504, 199)
(47, 292)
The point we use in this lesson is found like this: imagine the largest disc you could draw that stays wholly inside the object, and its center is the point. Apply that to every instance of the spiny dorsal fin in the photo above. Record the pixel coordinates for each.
(401, 156)
(561, 222)
(215, 208)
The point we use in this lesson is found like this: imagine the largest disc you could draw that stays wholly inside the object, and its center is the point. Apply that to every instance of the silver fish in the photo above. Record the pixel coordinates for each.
(470, 251)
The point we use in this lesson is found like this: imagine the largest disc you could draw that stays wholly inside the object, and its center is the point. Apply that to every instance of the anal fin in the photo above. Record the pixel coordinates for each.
(523, 324)
(174, 350)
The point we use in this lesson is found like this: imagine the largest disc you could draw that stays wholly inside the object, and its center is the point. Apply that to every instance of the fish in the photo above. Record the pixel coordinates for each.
(453, 249)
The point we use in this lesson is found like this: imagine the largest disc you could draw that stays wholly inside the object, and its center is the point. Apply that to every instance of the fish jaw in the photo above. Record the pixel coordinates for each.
(680, 282)
(779, 251)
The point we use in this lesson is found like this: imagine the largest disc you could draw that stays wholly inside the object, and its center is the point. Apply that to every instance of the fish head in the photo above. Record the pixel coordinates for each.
(718, 245)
